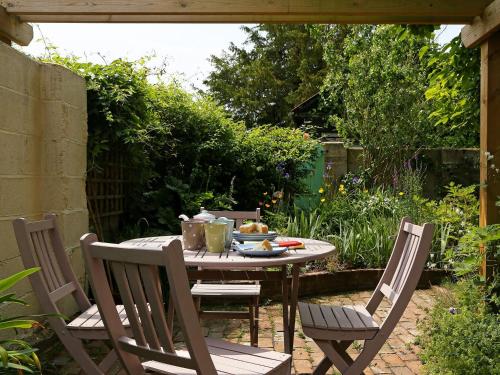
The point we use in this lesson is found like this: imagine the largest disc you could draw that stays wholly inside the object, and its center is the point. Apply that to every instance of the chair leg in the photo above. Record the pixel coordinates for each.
(256, 307)
(77, 351)
(109, 361)
(323, 366)
(251, 311)
(197, 305)
(333, 355)
(336, 354)
(170, 314)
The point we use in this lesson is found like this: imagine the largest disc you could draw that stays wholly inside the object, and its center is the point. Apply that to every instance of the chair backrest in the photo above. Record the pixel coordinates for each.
(403, 270)
(238, 216)
(41, 245)
(136, 271)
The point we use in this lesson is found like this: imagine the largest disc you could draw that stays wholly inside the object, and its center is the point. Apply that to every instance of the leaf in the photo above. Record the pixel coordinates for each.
(423, 51)
(22, 324)
(4, 356)
(11, 298)
(12, 280)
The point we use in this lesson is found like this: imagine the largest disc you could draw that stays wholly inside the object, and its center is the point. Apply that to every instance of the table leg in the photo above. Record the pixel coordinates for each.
(284, 292)
(293, 307)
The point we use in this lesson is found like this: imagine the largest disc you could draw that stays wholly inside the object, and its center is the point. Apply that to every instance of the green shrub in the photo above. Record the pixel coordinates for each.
(182, 150)
(461, 335)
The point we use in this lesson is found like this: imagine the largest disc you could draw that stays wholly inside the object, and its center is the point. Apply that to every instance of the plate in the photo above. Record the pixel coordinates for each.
(247, 250)
(242, 237)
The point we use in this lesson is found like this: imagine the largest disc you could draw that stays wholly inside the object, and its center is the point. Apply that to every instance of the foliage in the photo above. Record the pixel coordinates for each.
(453, 92)
(461, 335)
(365, 244)
(16, 355)
(119, 109)
(376, 61)
(362, 222)
(304, 225)
(182, 151)
(278, 67)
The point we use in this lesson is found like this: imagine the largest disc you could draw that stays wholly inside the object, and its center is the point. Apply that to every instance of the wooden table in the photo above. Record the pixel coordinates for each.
(231, 266)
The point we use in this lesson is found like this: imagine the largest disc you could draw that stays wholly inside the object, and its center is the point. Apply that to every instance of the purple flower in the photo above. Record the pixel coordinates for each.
(287, 176)
(329, 165)
(280, 167)
(355, 180)
(452, 310)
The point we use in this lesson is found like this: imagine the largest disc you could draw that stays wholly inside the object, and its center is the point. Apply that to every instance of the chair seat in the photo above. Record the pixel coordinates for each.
(337, 322)
(231, 358)
(90, 319)
(228, 290)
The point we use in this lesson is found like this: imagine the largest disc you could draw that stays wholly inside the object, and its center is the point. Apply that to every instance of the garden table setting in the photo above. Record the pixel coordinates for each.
(237, 263)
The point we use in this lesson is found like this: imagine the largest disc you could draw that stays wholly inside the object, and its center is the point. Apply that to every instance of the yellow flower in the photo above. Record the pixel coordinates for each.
(321, 190)
(341, 188)
(274, 201)
(322, 200)
(265, 193)
(401, 193)
(365, 191)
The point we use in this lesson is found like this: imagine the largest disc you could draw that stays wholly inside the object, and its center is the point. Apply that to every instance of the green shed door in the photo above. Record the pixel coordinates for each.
(313, 181)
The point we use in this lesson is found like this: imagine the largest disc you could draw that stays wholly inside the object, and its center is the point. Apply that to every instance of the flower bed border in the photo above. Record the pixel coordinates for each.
(318, 283)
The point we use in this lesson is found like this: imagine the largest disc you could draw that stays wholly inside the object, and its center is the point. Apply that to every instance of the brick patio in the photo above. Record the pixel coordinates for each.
(398, 356)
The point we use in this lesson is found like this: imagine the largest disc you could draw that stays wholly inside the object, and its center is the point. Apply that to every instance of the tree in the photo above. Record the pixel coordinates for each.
(454, 92)
(278, 67)
(377, 83)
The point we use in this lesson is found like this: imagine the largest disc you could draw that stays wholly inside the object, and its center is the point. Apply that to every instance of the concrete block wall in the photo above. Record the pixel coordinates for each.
(43, 139)
(441, 165)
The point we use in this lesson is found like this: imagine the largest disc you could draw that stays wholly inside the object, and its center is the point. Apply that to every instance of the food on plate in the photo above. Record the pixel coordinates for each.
(262, 228)
(264, 245)
(254, 228)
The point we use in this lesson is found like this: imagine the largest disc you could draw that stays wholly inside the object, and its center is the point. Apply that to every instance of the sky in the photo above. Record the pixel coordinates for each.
(184, 47)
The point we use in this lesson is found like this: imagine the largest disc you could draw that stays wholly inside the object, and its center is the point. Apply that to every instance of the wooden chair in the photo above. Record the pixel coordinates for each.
(251, 292)
(136, 271)
(335, 328)
(40, 245)
(238, 216)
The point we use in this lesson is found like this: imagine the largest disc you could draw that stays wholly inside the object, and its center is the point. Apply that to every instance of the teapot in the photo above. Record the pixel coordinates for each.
(204, 215)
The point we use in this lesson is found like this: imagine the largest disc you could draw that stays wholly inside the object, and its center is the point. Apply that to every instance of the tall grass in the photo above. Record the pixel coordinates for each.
(305, 225)
(364, 244)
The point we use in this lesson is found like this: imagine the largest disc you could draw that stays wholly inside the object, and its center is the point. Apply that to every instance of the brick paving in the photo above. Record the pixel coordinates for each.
(399, 355)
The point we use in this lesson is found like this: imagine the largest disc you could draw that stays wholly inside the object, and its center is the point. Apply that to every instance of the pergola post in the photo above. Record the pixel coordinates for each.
(490, 139)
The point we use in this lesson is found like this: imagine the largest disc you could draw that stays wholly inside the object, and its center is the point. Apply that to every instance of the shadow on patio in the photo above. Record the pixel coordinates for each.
(399, 355)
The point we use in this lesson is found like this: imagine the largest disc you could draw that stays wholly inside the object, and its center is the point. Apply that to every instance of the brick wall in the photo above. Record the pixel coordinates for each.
(43, 137)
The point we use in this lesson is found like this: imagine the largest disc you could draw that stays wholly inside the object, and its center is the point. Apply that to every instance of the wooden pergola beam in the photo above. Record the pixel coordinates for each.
(221, 11)
(13, 29)
(241, 18)
(482, 27)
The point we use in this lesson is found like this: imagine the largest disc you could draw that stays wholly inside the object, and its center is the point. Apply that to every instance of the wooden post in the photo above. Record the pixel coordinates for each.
(490, 138)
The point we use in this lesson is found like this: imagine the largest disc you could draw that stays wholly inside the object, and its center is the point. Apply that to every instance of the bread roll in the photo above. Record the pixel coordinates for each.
(248, 228)
(262, 228)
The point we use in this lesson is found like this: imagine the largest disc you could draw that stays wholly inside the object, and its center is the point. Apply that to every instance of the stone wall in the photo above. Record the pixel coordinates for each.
(441, 165)
(43, 137)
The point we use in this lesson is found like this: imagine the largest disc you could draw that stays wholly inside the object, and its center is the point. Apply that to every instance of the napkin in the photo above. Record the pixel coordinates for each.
(292, 244)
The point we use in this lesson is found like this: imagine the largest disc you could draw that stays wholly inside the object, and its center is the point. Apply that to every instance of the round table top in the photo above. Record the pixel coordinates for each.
(230, 259)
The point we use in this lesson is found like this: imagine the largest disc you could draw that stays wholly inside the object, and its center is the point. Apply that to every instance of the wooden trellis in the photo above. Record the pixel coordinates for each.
(106, 195)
